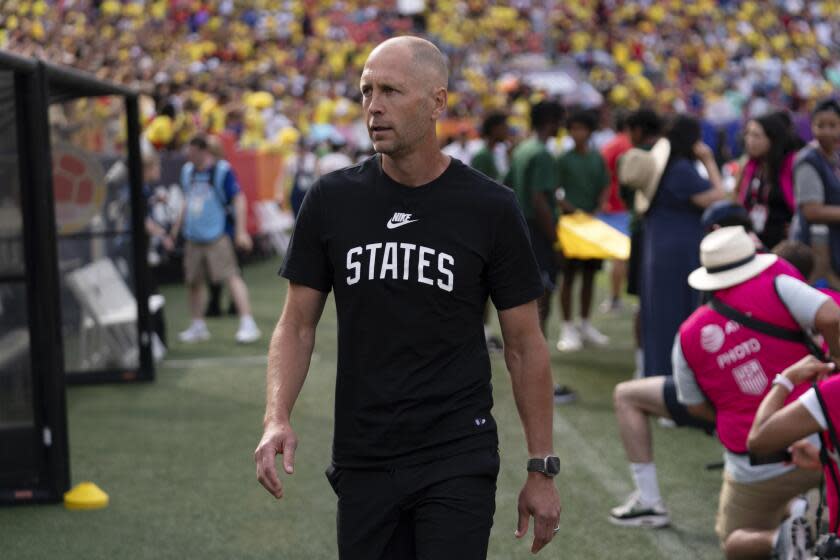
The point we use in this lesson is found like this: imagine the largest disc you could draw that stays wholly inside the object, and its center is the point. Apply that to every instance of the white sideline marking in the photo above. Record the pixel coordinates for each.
(665, 540)
(258, 360)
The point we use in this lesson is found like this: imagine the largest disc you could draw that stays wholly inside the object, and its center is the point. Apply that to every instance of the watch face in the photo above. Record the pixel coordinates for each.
(552, 465)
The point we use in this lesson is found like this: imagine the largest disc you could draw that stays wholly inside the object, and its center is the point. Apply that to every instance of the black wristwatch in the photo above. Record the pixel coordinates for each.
(549, 466)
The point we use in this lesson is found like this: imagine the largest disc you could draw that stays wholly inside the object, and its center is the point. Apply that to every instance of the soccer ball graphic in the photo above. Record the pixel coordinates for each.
(78, 187)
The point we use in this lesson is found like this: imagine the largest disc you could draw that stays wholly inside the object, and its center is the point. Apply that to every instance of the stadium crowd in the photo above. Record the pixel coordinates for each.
(273, 70)
(699, 128)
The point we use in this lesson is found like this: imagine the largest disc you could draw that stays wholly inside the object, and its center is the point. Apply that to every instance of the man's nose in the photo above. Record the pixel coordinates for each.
(375, 105)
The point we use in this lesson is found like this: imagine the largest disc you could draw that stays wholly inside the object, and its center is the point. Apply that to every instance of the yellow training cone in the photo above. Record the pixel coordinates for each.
(85, 495)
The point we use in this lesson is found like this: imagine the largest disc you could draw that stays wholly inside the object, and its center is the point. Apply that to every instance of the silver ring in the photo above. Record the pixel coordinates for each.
(557, 529)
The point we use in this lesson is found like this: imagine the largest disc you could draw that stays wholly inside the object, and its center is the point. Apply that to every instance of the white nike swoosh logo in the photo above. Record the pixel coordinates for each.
(392, 225)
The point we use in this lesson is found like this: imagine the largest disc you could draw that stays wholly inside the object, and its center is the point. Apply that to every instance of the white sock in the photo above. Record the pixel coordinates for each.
(640, 364)
(644, 475)
(584, 323)
(568, 325)
(199, 324)
(247, 321)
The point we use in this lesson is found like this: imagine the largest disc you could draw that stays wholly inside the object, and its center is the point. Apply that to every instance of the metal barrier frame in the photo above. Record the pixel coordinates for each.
(37, 84)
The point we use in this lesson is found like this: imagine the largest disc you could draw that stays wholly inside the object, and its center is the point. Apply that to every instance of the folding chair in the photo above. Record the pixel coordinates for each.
(275, 225)
(109, 310)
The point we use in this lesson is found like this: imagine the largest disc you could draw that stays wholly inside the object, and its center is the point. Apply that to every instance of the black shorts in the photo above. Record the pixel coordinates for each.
(634, 263)
(440, 510)
(679, 413)
(571, 266)
(546, 257)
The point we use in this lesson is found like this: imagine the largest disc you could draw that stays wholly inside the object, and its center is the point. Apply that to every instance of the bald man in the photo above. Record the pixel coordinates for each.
(412, 243)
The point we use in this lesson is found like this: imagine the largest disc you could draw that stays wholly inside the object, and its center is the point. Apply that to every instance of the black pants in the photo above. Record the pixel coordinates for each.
(440, 510)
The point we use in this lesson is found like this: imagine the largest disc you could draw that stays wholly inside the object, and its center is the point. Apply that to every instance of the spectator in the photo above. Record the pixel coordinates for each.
(209, 186)
(304, 169)
(766, 185)
(817, 178)
(644, 128)
(533, 177)
(460, 147)
(161, 242)
(494, 132)
(214, 288)
(614, 211)
(672, 234)
(336, 157)
(583, 177)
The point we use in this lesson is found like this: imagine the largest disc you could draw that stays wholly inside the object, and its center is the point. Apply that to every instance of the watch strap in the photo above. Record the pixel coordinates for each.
(549, 465)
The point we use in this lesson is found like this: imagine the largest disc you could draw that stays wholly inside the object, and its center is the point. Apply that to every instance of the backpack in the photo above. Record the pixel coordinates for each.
(220, 170)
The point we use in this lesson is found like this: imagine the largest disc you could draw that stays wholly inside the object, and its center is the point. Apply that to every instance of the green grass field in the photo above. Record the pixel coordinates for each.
(176, 458)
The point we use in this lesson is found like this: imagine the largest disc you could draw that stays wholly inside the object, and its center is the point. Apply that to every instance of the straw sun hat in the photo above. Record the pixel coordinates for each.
(729, 258)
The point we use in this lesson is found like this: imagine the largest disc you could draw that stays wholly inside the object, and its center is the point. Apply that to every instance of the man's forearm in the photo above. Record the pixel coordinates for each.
(827, 323)
(289, 354)
(241, 211)
(773, 401)
(530, 375)
(818, 213)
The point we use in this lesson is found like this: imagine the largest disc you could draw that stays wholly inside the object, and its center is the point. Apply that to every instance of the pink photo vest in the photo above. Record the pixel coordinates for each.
(734, 365)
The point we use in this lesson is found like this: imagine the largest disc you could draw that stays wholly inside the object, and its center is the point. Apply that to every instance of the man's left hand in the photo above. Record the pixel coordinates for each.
(243, 241)
(539, 499)
(805, 455)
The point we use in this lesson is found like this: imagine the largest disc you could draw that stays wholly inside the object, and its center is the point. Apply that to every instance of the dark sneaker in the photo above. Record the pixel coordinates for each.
(563, 394)
(633, 513)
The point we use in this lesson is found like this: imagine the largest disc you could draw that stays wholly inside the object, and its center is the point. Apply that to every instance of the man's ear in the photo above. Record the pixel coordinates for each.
(440, 97)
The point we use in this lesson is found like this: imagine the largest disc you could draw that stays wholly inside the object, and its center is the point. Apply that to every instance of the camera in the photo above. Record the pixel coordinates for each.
(827, 547)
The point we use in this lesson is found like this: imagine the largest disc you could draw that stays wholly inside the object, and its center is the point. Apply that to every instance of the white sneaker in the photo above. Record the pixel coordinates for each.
(196, 333)
(247, 333)
(666, 422)
(591, 335)
(794, 540)
(569, 339)
(611, 305)
(633, 513)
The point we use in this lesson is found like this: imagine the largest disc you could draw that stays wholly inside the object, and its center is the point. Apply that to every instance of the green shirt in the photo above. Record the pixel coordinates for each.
(584, 177)
(532, 169)
(484, 161)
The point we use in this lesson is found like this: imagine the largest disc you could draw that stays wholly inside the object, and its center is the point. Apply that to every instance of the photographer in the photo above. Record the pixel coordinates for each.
(777, 427)
(725, 358)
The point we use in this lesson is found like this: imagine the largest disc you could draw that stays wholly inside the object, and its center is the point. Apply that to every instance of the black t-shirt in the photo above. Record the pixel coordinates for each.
(412, 268)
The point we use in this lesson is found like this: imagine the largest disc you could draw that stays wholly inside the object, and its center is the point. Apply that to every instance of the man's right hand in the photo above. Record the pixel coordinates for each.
(807, 369)
(539, 499)
(703, 152)
(277, 439)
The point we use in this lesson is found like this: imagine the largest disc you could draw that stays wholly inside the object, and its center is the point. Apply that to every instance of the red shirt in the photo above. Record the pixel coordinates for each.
(611, 151)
